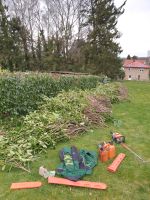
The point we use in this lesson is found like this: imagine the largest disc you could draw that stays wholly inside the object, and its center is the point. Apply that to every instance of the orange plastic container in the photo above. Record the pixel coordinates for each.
(111, 151)
(104, 153)
(107, 152)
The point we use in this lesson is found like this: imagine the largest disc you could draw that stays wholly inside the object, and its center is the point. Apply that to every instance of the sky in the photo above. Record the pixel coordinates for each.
(134, 26)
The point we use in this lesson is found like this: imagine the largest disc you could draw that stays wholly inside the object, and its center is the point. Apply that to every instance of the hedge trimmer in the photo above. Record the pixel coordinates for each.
(120, 139)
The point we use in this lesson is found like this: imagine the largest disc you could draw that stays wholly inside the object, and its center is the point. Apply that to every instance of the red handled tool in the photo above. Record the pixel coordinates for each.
(120, 139)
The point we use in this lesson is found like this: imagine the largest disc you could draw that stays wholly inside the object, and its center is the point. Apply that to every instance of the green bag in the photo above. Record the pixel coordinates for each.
(75, 164)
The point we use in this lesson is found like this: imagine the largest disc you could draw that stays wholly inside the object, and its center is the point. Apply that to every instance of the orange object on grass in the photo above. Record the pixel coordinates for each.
(103, 152)
(103, 155)
(108, 151)
(25, 185)
(115, 164)
(87, 184)
(111, 151)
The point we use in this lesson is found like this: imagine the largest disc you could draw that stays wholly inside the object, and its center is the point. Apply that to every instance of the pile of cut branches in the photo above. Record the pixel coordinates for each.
(58, 119)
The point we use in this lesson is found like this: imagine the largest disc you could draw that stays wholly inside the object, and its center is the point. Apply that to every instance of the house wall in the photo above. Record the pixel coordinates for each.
(135, 73)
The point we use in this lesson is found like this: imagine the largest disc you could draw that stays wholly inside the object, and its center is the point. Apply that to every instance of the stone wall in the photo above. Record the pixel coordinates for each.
(136, 74)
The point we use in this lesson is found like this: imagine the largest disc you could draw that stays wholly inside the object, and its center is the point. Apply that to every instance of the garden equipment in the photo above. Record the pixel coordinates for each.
(129, 149)
(25, 185)
(112, 151)
(106, 151)
(115, 164)
(75, 164)
(120, 139)
(87, 184)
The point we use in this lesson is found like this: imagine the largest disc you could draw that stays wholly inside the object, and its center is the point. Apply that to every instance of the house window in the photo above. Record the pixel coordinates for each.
(129, 77)
(129, 69)
(141, 70)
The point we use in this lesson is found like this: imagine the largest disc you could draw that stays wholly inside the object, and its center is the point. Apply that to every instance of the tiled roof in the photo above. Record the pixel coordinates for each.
(135, 64)
(142, 61)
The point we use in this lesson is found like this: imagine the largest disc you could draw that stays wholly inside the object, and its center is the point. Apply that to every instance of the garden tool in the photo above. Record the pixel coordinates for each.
(120, 139)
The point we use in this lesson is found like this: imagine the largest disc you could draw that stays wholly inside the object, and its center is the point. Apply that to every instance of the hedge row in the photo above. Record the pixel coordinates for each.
(21, 94)
(57, 119)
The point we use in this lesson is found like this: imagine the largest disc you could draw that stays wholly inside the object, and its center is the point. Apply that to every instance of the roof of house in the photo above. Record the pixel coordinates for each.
(135, 64)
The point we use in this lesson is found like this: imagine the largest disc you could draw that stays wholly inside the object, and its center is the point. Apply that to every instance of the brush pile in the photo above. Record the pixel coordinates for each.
(58, 119)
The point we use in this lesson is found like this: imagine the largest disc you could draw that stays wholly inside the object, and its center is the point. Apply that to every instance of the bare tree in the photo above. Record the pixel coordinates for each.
(28, 12)
(63, 18)
(57, 20)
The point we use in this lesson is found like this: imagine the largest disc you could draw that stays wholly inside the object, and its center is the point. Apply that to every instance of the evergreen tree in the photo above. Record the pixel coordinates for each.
(103, 48)
(13, 45)
(95, 51)
(16, 46)
(129, 57)
(134, 57)
(6, 40)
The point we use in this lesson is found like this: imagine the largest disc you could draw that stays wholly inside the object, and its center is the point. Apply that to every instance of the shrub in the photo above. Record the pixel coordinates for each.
(53, 121)
(22, 93)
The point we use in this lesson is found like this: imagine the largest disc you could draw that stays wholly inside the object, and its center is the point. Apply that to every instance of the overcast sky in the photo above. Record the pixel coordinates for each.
(134, 25)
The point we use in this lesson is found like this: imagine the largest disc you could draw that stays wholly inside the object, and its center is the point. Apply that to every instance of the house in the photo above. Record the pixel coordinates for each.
(136, 70)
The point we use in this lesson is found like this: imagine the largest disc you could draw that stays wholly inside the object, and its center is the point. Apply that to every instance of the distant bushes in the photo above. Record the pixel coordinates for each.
(22, 93)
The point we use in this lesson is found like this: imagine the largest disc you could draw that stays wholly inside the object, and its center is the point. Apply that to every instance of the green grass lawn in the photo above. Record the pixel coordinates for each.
(130, 182)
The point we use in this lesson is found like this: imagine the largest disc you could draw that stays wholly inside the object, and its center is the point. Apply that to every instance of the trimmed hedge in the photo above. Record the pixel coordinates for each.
(56, 120)
(21, 93)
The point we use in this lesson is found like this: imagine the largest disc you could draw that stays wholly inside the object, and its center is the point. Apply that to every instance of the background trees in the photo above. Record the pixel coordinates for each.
(76, 35)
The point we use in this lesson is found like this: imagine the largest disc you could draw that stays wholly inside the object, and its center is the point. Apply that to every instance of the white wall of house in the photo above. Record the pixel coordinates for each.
(136, 74)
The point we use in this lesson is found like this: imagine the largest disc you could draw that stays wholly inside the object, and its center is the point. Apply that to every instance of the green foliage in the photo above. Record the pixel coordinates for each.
(48, 125)
(11, 46)
(121, 74)
(108, 90)
(23, 48)
(3, 71)
(22, 93)
(42, 129)
(128, 57)
(102, 47)
(132, 181)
